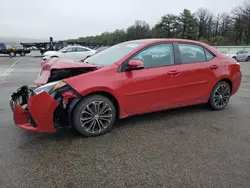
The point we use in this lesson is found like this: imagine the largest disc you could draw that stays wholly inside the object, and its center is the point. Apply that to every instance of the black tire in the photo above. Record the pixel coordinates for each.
(213, 103)
(12, 54)
(248, 58)
(22, 54)
(82, 107)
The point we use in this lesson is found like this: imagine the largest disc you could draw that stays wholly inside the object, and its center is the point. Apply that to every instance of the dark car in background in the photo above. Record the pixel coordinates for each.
(12, 51)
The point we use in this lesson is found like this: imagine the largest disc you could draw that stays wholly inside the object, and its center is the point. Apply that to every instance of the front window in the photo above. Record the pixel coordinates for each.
(114, 53)
(157, 56)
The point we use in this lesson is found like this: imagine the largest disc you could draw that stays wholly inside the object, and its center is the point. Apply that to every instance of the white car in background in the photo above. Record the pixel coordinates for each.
(241, 55)
(74, 53)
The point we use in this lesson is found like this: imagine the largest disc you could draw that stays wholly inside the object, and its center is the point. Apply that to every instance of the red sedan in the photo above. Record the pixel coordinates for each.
(129, 78)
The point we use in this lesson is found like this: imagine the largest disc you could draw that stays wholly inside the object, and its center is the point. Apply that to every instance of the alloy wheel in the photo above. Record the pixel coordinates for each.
(221, 95)
(96, 117)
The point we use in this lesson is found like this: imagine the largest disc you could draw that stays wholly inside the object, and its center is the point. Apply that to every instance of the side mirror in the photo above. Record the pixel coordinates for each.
(64, 51)
(135, 65)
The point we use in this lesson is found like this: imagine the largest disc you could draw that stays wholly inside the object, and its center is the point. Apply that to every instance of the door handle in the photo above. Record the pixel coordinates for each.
(174, 72)
(214, 66)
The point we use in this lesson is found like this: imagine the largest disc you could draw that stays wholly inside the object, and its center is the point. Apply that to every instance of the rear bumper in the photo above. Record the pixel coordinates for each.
(34, 112)
(236, 82)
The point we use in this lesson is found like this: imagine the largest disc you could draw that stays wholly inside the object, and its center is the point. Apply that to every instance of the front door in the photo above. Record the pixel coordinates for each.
(154, 87)
(68, 53)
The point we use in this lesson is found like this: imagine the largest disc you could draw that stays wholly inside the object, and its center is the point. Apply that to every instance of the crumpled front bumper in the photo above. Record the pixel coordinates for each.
(33, 112)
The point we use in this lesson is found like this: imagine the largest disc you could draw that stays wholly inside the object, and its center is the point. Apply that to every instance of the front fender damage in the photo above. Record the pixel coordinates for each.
(43, 112)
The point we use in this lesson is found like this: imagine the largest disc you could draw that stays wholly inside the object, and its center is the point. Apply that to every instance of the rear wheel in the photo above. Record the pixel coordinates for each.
(248, 58)
(220, 96)
(95, 115)
(22, 54)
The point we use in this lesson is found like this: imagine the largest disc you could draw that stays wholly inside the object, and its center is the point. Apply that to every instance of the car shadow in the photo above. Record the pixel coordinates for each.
(161, 115)
(70, 134)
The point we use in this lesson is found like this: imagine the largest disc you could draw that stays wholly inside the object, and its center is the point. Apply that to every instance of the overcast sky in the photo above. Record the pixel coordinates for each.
(64, 19)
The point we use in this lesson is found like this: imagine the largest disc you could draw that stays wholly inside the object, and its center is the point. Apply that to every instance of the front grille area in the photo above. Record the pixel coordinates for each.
(21, 96)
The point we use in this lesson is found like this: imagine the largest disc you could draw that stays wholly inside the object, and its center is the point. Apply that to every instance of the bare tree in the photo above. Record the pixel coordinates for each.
(205, 22)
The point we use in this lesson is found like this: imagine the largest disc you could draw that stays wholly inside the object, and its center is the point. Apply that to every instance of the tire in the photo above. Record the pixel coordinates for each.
(234, 58)
(220, 95)
(91, 120)
(12, 54)
(22, 54)
(248, 58)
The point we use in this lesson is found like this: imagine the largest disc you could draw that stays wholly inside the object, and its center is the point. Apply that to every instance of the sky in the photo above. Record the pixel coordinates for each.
(64, 19)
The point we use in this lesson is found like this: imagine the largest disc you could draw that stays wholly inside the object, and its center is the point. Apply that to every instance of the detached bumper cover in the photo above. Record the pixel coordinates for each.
(33, 112)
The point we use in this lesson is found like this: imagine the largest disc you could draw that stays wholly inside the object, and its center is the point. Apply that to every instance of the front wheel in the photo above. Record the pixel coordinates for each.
(220, 96)
(95, 115)
(12, 54)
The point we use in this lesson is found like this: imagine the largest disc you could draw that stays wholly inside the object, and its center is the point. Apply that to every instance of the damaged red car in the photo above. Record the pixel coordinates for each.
(129, 78)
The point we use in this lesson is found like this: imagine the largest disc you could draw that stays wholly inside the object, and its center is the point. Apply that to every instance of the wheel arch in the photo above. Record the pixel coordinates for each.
(75, 102)
(109, 96)
(227, 80)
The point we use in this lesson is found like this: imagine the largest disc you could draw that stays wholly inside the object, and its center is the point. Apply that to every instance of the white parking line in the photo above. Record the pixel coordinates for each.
(8, 71)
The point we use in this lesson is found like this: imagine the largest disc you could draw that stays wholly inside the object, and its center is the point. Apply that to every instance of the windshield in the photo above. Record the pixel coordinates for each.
(113, 54)
(62, 49)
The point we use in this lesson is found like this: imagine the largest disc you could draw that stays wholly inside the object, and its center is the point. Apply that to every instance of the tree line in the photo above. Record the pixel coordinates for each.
(231, 28)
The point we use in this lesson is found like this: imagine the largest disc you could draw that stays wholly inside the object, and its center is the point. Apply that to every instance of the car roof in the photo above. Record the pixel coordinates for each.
(156, 40)
(153, 40)
(78, 46)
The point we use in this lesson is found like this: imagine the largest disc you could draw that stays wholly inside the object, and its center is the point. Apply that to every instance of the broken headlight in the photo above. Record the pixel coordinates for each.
(47, 87)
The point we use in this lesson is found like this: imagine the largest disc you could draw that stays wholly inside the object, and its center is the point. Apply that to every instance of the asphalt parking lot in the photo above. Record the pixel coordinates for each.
(187, 147)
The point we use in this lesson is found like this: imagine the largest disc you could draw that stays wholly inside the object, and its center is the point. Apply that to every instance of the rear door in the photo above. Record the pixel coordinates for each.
(244, 55)
(198, 73)
(82, 53)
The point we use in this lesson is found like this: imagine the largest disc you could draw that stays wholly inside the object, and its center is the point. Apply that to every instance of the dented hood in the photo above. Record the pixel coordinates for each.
(61, 68)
